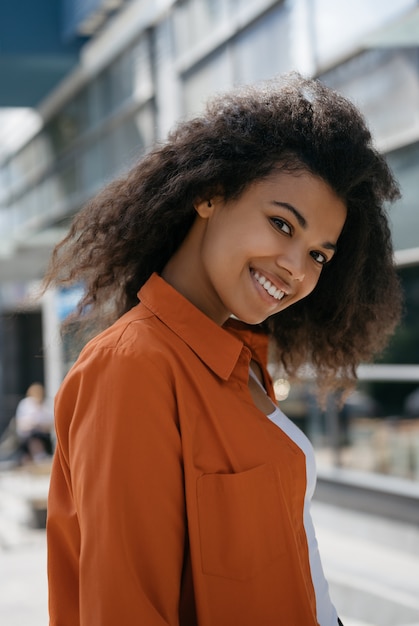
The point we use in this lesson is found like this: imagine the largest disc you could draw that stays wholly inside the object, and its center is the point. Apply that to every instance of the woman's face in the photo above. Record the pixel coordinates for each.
(255, 256)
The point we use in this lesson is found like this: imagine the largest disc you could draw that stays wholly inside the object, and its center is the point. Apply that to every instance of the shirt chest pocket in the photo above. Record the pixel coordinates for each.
(241, 522)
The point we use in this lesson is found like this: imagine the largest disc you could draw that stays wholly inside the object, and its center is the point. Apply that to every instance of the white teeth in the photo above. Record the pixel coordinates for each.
(270, 288)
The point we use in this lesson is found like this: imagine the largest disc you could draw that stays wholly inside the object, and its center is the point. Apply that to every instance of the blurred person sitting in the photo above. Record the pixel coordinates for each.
(34, 426)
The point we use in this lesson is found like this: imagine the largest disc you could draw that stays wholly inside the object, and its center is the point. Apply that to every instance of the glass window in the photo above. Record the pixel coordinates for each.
(5, 230)
(62, 187)
(22, 166)
(99, 99)
(183, 35)
(67, 179)
(404, 345)
(28, 208)
(66, 126)
(121, 77)
(141, 131)
(4, 182)
(125, 143)
(404, 214)
(92, 167)
(19, 208)
(10, 217)
(114, 152)
(207, 14)
(238, 5)
(47, 198)
(376, 432)
(207, 78)
(263, 50)
(377, 429)
(141, 70)
(43, 150)
(385, 86)
(339, 26)
(196, 19)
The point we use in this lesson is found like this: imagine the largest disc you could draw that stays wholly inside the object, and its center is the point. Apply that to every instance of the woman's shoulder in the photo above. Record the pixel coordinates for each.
(131, 354)
(138, 335)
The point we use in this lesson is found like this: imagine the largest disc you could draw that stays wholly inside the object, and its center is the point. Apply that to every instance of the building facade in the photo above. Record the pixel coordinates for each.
(144, 65)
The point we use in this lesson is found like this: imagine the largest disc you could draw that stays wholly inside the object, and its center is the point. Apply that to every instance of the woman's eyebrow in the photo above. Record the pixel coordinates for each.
(330, 246)
(302, 221)
(285, 205)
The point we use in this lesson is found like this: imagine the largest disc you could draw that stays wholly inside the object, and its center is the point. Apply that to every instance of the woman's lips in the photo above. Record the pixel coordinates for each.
(269, 287)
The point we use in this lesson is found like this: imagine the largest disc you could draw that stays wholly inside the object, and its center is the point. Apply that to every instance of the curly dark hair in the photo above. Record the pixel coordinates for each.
(294, 124)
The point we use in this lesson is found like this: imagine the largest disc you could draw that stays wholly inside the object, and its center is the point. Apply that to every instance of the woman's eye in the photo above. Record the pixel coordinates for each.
(282, 225)
(319, 257)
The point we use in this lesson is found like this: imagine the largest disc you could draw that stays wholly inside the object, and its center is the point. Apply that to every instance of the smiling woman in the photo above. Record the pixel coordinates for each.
(273, 251)
(180, 493)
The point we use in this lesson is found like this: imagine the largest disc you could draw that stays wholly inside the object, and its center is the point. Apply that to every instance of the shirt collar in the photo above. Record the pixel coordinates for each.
(254, 337)
(214, 345)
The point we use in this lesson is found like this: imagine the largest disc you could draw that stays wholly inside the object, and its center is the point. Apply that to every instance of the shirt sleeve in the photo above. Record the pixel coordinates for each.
(116, 511)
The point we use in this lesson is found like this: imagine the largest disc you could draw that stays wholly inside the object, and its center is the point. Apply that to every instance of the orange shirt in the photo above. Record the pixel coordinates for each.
(173, 499)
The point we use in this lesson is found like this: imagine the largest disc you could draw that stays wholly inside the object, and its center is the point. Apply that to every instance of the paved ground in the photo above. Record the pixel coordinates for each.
(23, 587)
(372, 564)
(23, 583)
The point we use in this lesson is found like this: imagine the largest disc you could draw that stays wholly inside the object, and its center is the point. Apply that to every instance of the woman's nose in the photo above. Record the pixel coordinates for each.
(294, 263)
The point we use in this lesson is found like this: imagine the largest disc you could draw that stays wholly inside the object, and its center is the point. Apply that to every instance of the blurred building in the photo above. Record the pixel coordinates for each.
(107, 78)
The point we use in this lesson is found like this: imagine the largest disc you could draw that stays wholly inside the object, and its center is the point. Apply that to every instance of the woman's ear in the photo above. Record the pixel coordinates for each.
(204, 208)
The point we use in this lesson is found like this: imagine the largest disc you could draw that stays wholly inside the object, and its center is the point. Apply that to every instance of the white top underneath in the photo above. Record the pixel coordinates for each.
(326, 612)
